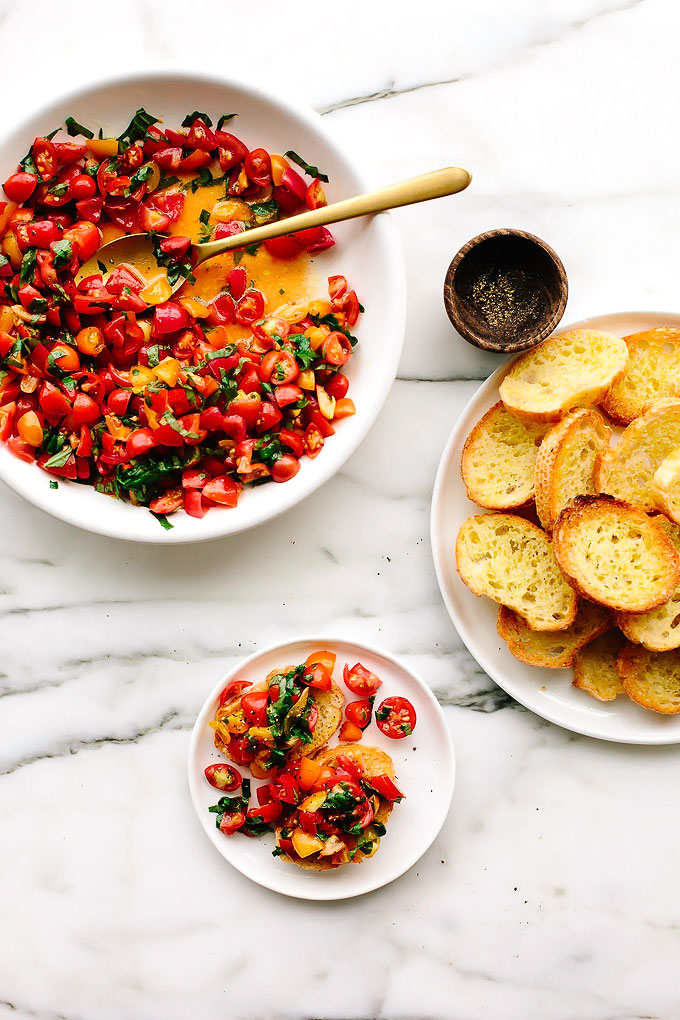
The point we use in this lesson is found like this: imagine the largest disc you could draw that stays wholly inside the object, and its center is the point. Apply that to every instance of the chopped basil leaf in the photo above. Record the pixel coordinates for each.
(59, 190)
(310, 169)
(63, 252)
(137, 128)
(60, 458)
(268, 450)
(74, 128)
(166, 182)
(51, 134)
(53, 484)
(27, 164)
(163, 521)
(204, 216)
(304, 355)
(153, 356)
(382, 713)
(196, 115)
(330, 320)
(102, 267)
(238, 255)
(224, 118)
(28, 265)
(265, 212)
(139, 177)
(177, 426)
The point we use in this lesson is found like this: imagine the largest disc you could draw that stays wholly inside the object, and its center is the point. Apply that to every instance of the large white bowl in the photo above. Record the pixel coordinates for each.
(367, 252)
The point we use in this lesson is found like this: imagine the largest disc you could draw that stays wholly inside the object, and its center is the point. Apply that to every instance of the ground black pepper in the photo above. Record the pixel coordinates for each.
(512, 299)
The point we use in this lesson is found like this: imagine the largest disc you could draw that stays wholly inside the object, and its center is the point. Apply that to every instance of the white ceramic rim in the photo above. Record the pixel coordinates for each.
(217, 525)
(320, 891)
(543, 708)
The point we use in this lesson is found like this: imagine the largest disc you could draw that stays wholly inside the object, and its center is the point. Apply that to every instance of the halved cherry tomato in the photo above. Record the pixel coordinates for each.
(140, 441)
(315, 196)
(231, 150)
(222, 490)
(19, 187)
(233, 689)
(258, 167)
(249, 307)
(293, 440)
(385, 787)
(360, 680)
(359, 712)
(85, 237)
(53, 402)
(313, 441)
(336, 349)
(45, 158)
(223, 776)
(69, 152)
(168, 503)
(279, 367)
(266, 813)
(285, 789)
(232, 821)
(396, 717)
(254, 706)
(316, 676)
(287, 247)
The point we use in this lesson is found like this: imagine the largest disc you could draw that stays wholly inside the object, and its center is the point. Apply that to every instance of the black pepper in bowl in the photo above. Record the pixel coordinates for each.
(505, 290)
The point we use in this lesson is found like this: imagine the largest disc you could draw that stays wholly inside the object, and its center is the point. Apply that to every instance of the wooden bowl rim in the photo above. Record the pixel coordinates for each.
(477, 339)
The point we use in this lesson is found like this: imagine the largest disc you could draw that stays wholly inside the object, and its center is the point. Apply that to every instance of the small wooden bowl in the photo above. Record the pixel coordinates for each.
(506, 290)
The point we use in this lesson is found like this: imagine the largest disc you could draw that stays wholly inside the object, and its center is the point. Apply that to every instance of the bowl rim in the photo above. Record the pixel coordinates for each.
(28, 485)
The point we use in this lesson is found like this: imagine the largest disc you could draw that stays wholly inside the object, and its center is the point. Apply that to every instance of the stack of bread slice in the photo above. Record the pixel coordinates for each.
(578, 466)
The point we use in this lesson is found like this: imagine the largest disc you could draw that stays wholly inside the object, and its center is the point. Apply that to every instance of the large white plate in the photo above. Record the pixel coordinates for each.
(423, 762)
(548, 692)
(367, 251)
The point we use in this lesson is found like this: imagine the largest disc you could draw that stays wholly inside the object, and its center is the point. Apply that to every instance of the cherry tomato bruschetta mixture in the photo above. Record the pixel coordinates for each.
(327, 805)
(168, 402)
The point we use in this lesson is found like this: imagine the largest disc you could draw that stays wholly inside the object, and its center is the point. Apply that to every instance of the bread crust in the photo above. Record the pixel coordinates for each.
(532, 393)
(549, 471)
(595, 666)
(628, 396)
(605, 513)
(652, 679)
(498, 577)
(627, 469)
(666, 486)
(552, 649)
(519, 481)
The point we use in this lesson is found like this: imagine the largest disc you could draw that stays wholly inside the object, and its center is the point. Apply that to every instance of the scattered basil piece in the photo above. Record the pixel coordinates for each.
(74, 128)
(196, 115)
(309, 168)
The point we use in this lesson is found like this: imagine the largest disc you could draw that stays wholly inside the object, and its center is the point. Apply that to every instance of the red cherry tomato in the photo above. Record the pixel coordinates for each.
(284, 247)
(233, 689)
(223, 776)
(254, 706)
(316, 676)
(279, 367)
(82, 187)
(293, 440)
(222, 490)
(258, 167)
(249, 307)
(85, 238)
(140, 441)
(20, 187)
(359, 713)
(285, 468)
(360, 680)
(69, 152)
(45, 158)
(337, 386)
(336, 349)
(231, 150)
(315, 196)
(385, 787)
(232, 821)
(285, 788)
(266, 813)
(396, 717)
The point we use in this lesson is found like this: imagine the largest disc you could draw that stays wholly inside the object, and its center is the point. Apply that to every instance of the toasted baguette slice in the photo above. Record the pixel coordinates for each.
(570, 370)
(666, 486)
(627, 470)
(658, 630)
(653, 371)
(497, 465)
(552, 649)
(565, 465)
(512, 561)
(652, 679)
(595, 666)
(329, 706)
(374, 763)
(616, 555)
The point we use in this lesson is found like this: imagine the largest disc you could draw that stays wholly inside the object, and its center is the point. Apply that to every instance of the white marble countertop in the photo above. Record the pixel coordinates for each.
(551, 892)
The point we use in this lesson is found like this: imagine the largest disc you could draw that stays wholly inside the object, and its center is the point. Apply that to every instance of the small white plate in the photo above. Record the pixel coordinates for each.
(423, 762)
(547, 692)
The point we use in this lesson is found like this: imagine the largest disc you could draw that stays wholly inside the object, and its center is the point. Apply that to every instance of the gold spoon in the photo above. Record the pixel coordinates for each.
(137, 249)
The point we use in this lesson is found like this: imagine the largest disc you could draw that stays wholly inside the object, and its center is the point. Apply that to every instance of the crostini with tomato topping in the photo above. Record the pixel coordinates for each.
(350, 795)
(292, 713)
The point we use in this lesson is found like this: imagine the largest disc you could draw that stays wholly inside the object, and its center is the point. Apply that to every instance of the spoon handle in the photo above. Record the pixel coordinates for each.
(437, 184)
